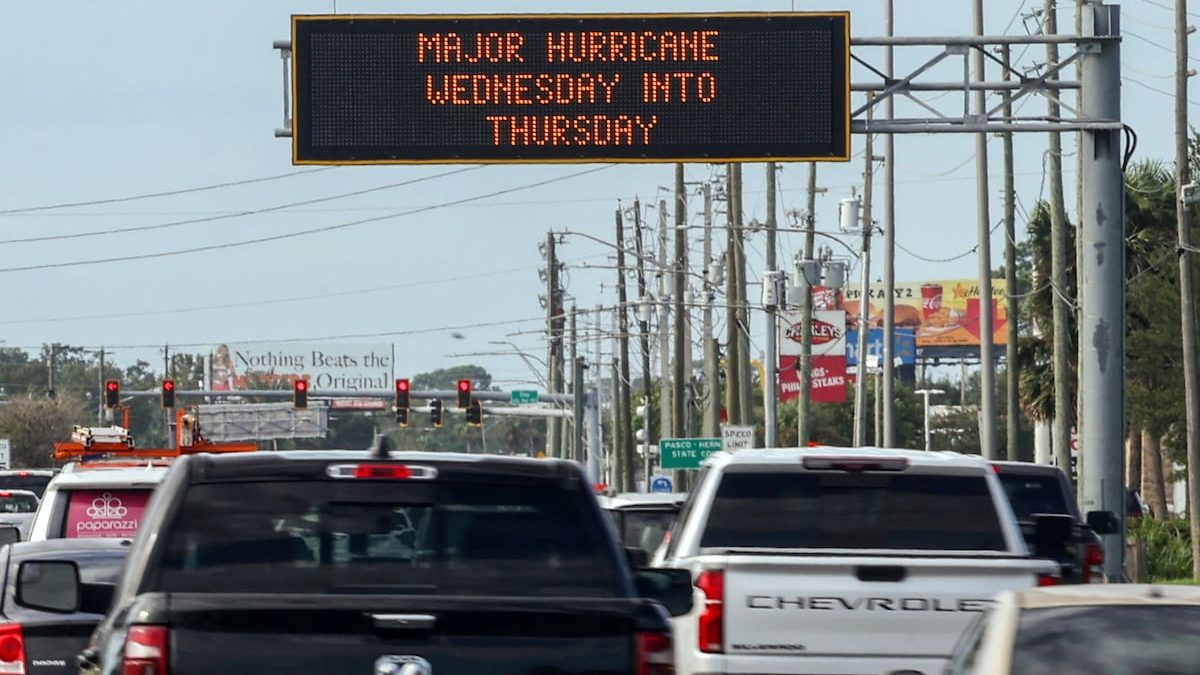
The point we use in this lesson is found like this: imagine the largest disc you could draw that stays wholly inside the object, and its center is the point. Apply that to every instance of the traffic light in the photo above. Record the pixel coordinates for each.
(300, 393)
(464, 393)
(402, 417)
(402, 398)
(168, 393)
(112, 393)
(435, 413)
(475, 413)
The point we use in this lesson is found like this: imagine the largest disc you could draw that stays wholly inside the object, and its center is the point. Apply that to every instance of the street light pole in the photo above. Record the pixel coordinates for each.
(926, 393)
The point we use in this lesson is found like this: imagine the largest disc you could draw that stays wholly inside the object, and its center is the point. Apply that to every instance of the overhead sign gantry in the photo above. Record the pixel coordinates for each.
(531, 88)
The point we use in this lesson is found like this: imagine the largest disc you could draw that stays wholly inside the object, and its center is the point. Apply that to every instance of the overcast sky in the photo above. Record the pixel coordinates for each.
(117, 99)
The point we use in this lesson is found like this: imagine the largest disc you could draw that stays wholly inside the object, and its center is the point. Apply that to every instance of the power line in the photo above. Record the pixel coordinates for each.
(1164, 92)
(268, 301)
(169, 193)
(1168, 7)
(236, 214)
(300, 233)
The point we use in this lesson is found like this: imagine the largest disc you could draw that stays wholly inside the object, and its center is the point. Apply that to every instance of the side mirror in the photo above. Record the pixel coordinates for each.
(49, 585)
(9, 534)
(672, 588)
(638, 558)
(1103, 522)
(1051, 535)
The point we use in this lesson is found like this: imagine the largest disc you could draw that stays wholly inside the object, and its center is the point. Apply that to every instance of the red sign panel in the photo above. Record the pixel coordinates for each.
(105, 513)
(827, 384)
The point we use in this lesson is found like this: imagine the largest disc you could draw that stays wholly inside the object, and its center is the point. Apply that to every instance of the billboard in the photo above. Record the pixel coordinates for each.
(827, 383)
(905, 346)
(828, 332)
(940, 313)
(553, 88)
(327, 365)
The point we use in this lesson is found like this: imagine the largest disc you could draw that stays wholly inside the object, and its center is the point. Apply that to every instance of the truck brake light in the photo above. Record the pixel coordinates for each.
(145, 651)
(1048, 580)
(12, 649)
(1093, 564)
(856, 464)
(655, 655)
(381, 471)
(711, 628)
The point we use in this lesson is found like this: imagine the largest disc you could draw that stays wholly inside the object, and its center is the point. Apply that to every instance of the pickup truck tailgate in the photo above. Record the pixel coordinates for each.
(860, 606)
(217, 635)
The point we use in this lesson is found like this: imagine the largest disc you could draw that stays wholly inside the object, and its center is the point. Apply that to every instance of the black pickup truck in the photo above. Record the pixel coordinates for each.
(378, 563)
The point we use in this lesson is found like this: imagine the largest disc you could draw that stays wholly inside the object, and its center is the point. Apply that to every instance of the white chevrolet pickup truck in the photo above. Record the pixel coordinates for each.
(831, 561)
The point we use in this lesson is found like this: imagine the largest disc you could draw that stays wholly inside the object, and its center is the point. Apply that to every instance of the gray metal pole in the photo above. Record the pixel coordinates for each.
(100, 392)
(1012, 380)
(742, 307)
(1079, 162)
(644, 329)
(595, 427)
(711, 376)
(770, 421)
(682, 342)
(889, 251)
(1102, 324)
(987, 359)
(864, 303)
(551, 340)
(1187, 296)
(804, 403)
(1061, 439)
(666, 279)
(772, 221)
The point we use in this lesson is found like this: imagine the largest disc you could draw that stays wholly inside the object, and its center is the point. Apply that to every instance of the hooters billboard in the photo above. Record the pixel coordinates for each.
(941, 313)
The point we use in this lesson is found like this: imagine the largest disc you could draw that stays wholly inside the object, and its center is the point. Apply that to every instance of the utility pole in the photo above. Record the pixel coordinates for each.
(1079, 357)
(665, 293)
(733, 368)
(645, 308)
(712, 403)
(742, 308)
(50, 368)
(100, 390)
(615, 468)
(986, 328)
(1011, 395)
(625, 456)
(804, 411)
(771, 366)
(1061, 441)
(864, 302)
(553, 342)
(889, 247)
(1102, 280)
(576, 390)
(1187, 296)
(682, 343)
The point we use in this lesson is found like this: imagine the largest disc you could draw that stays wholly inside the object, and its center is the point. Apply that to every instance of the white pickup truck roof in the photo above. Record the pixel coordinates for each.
(916, 458)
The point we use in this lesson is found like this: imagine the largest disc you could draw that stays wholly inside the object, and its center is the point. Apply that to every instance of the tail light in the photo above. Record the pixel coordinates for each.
(381, 471)
(655, 655)
(12, 649)
(145, 651)
(1048, 580)
(711, 629)
(1093, 564)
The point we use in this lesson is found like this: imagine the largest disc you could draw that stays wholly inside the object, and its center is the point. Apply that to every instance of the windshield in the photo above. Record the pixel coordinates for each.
(1108, 640)
(1032, 495)
(348, 537)
(32, 482)
(645, 529)
(17, 503)
(791, 509)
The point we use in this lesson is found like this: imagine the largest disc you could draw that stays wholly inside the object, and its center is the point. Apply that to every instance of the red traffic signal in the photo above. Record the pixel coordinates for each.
(168, 393)
(402, 395)
(112, 393)
(464, 393)
(300, 393)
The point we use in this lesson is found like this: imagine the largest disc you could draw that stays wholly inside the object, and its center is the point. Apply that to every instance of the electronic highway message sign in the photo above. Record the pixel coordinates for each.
(404, 89)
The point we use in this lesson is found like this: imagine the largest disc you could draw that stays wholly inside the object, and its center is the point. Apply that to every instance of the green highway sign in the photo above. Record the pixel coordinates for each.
(686, 453)
(525, 396)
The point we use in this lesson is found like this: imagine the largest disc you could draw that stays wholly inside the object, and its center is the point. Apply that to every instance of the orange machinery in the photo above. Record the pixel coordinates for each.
(114, 442)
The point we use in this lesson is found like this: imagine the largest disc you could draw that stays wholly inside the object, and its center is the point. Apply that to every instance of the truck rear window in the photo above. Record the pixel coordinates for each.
(1031, 495)
(11, 502)
(104, 513)
(853, 511)
(387, 537)
(35, 483)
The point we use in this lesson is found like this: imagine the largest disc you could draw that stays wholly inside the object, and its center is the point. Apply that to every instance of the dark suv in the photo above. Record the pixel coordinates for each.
(1039, 489)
